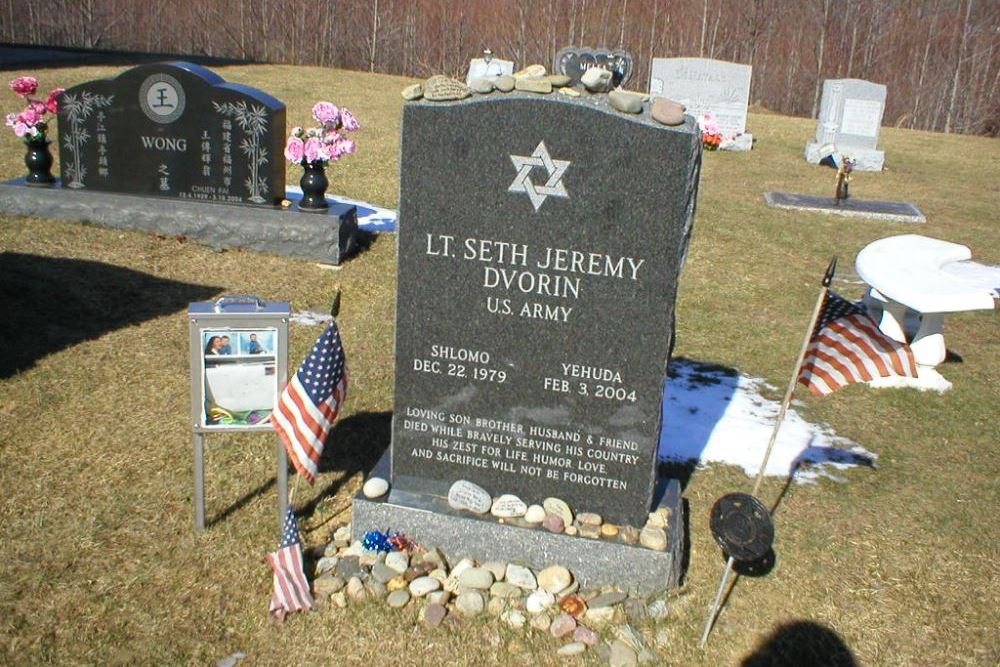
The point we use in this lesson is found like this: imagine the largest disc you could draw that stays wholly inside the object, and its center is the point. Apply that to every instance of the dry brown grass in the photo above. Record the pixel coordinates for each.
(99, 563)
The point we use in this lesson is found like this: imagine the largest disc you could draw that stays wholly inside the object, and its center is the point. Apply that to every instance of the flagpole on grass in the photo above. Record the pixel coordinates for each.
(827, 279)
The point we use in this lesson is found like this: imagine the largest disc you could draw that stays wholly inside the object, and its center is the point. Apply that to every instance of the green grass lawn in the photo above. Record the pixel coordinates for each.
(99, 562)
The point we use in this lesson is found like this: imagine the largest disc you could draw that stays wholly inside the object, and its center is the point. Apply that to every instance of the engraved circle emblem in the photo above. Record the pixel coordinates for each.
(161, 98)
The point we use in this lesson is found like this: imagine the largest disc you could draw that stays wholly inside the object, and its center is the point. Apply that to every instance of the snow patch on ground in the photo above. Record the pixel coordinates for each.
(715, 415)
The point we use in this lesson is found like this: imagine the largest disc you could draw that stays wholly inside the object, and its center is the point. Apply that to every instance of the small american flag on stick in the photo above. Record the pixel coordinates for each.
(311, 401)
(291, 590)
(847, 347)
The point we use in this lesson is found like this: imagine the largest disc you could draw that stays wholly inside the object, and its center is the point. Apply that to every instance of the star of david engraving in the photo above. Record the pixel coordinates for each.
(539, 158)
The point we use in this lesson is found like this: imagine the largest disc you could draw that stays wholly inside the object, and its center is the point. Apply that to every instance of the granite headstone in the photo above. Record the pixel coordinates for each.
(850, 120)
(704, 85)
(174, 130)
(540, 246)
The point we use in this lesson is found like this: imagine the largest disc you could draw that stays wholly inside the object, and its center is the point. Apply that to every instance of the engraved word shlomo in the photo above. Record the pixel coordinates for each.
(554, 168)
(161, 98)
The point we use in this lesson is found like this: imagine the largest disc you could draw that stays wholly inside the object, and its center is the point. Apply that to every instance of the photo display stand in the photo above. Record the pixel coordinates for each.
(239, 365)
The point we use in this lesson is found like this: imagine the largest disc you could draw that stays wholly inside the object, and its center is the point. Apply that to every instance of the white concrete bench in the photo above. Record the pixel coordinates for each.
(914, 281)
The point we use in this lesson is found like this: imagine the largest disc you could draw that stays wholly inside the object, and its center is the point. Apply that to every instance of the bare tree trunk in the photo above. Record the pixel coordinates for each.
(621, 34)
(958, 68)
(923, 70)
(820, 53)
(371, 53)
(704, 26)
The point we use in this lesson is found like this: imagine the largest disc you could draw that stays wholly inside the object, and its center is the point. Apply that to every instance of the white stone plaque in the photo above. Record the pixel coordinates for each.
(861, 117)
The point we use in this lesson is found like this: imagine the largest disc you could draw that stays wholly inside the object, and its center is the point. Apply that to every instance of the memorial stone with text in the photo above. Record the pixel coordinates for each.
(850, 120)
(541, 243)
(704, 85)
(173, 130)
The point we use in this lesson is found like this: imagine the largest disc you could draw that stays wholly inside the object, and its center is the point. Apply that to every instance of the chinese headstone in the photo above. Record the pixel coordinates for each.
(704, 85)
(850, 119)
(174, 130)
(541, 243)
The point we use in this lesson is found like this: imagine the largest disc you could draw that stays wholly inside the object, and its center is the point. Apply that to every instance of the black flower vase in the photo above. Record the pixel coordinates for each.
(38, 160)
(314, 186)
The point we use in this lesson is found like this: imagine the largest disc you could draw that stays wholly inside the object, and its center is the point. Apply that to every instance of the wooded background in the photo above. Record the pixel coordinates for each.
(940, 59)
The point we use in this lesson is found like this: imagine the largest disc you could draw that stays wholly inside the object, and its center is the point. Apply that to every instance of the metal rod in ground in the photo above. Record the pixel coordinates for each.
(827, 279)
(718, 600)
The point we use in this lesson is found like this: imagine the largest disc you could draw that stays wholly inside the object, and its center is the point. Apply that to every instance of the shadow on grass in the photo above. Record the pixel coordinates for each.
(355, 445)
(801, 644)
(695, 398)
(51, 303)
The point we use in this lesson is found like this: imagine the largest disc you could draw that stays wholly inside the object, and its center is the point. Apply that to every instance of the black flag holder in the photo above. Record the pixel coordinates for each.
(740, 523)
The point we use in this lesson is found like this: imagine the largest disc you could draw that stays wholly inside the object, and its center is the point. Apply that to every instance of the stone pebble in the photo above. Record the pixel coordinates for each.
(553, 524)
(585, 635)
(541, 622)
(505, 83)
(589, 519)
(497, 567)
(538, 601)
(558, 80)
(508, 506)
(592, 532)
(440, 88)
(421, 586)
(529, 85)
(560, 508)
(666, 112)
(375, 588)
(562, 625)
(413, 92)
(626, 101)
(398, 599)
(502, 589)
(375, 487)
(571, 649)
(535, 514)
(466, 495)
(515, 618)
(433, 614)
(629, 535)
(520, 576)
(481, 86)
(554, 579)
(397, 561)
(653, 538)
(570, 92)
(608, 599)
(470, 603)
(530, 71)
(383, 573)
(622, 655)
(356, 588)
(596, 80)
(476, 577)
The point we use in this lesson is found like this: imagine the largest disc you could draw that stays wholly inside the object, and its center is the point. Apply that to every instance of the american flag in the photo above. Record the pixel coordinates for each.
(291, 590)
(847, 346)
(310, 403)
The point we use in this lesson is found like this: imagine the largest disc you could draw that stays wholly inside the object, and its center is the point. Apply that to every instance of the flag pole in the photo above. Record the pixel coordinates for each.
(827, 279)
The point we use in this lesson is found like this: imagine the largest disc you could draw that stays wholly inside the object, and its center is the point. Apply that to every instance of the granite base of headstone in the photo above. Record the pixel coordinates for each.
(738, 144)
(328, 238)
(895, 211)
(428, 520)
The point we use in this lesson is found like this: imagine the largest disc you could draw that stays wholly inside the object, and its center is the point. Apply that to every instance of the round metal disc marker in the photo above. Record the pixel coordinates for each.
(742, 526)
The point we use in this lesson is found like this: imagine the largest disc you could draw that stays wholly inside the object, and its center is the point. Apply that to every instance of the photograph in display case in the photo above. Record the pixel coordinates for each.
(239, 375)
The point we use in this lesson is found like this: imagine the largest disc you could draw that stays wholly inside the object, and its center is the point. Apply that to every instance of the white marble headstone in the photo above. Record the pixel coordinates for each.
(704, 85)
(850, 119)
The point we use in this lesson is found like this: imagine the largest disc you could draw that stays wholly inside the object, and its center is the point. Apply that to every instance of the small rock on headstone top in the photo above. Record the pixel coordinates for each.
(653, 538)
(589, 519)
(440, 88)
(465, 495)
(530, 71)
(609, 531)
(505, 84)
(481, 86)
(629, 535)
(553, 523)
(626, 101)
(667, 111)
(530, 85)
(413, 92)
(596, 80)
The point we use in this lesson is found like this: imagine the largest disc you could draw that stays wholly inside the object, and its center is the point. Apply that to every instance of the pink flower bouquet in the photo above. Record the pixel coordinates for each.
(327, 142)
(30, 123)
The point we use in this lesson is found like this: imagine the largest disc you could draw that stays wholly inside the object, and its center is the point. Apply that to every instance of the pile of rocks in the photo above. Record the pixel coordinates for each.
(556, 516)
(535, 79)
(546, 601)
